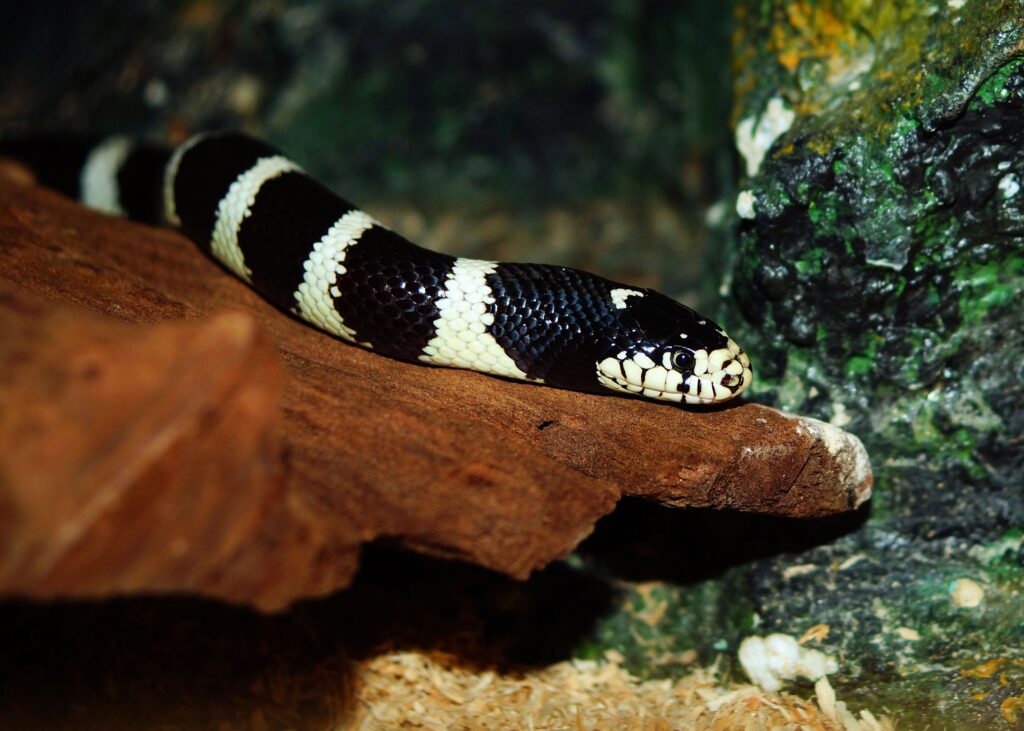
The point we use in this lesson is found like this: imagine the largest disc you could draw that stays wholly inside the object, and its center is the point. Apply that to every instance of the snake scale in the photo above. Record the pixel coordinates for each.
(315, 255)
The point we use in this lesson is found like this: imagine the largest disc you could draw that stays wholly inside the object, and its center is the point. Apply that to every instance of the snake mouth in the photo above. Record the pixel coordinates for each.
(717, 376)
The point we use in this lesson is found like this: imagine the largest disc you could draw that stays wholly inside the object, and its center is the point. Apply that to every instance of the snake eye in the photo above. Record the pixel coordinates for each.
(683, 361)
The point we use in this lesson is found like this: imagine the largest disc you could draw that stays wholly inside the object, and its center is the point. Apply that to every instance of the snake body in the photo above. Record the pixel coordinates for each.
(314, 254)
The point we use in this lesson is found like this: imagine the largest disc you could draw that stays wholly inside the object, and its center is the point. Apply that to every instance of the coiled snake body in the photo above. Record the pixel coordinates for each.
(316, 255)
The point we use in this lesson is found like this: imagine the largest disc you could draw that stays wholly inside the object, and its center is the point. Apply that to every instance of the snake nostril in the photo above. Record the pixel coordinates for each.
(730, 381)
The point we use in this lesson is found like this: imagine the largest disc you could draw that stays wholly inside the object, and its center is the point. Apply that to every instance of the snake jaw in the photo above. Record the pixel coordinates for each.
(716, 376)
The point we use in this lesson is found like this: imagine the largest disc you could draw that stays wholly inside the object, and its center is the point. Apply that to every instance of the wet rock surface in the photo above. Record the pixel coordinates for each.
(880, 269)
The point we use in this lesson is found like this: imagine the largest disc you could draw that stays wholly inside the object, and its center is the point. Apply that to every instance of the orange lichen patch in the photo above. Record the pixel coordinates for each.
(1011, 707)
(801, 34)
(815, 634)
(817, 20)
(819, 34)
(985, 670)
(828, 38)
(416, 691)
(865, 62)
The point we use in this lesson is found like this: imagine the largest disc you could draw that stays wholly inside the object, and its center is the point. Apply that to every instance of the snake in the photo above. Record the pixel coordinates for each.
(314, 255)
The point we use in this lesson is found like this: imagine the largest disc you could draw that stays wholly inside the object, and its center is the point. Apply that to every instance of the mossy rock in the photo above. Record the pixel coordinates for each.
(877, 276)
(878, 279)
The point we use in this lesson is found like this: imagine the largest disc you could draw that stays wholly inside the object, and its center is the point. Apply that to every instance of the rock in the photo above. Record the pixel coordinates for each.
(768, 661)
(885, 259)
(879, 280)
(506, 475)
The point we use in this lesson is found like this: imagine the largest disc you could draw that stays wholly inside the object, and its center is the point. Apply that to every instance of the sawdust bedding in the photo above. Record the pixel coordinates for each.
(410, 690)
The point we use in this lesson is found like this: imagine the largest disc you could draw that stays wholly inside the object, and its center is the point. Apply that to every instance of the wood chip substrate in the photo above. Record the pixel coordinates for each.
(415, 691)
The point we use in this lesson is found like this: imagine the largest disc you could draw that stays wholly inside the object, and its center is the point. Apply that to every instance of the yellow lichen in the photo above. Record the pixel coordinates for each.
(985, 670)
(1010, 708)
(868, 63)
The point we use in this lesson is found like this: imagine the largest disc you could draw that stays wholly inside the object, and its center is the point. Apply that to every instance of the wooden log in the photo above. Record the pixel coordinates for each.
(107, 432)
(507, 475)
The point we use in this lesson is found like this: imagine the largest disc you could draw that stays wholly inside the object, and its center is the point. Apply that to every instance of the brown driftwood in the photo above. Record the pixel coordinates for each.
(242, 504)
(134, 458)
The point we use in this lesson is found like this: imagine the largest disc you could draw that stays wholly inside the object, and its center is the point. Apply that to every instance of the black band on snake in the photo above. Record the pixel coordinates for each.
(314, 254)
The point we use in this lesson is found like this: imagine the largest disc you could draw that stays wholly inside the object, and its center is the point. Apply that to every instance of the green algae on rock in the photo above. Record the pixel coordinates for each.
(884, 249)
(879, 280)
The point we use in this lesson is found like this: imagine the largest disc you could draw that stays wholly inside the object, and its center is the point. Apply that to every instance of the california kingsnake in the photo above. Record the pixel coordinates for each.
(313, 254)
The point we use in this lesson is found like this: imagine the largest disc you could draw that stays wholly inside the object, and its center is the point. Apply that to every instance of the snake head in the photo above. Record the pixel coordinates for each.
(669, 352)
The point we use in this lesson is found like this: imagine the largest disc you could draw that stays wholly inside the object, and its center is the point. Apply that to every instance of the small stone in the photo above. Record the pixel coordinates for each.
(770, 660)
(745, 205)
(966, 593)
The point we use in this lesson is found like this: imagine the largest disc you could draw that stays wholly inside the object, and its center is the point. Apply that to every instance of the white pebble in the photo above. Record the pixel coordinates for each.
(966, 593)
(770, 660)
